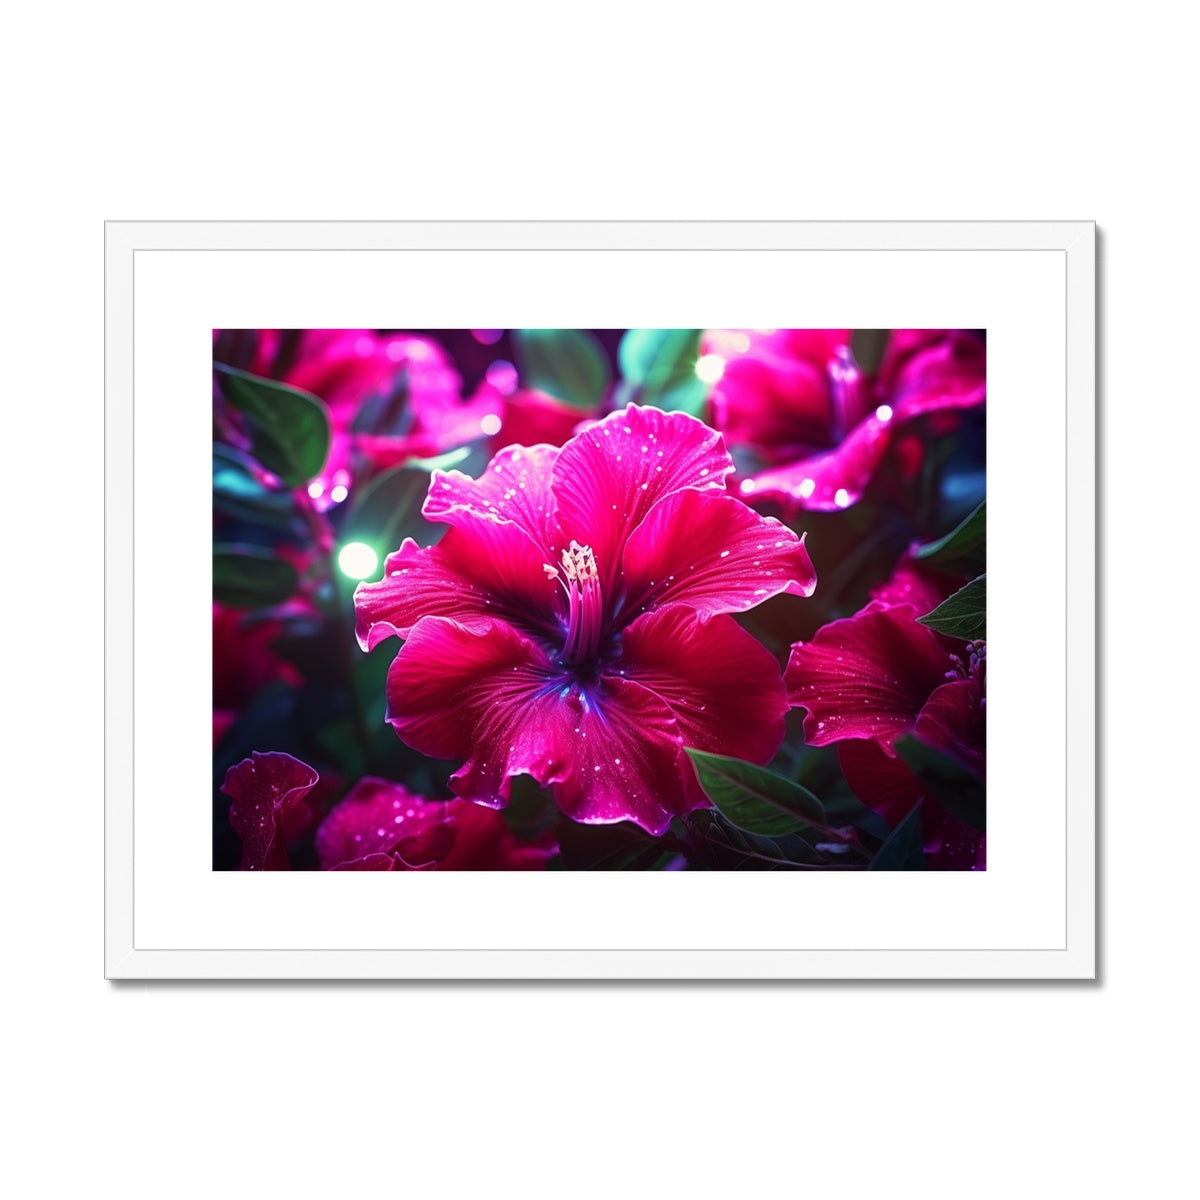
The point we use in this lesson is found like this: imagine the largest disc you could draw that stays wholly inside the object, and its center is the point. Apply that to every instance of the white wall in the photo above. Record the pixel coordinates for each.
(917, 111)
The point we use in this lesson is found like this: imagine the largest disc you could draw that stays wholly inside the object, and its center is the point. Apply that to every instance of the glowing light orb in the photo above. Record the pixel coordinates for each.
(710, 367)
(884, 412)
(339, 493)
(356, 560)
(841, 497)
(807, 487)
(490, 424)
(315, 489)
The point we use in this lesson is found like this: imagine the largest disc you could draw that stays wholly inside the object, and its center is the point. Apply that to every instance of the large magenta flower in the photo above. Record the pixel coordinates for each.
(870, 679)
(798, 398)
(571, 625)
(381, 826)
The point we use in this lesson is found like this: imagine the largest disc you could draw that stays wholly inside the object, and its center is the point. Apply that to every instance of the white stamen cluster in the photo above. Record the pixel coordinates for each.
(579, 563)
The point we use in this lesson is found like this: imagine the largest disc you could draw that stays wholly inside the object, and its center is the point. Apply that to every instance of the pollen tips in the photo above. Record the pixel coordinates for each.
(579, 563)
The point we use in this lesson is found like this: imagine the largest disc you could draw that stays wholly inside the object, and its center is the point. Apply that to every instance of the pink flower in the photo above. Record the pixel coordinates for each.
(417, 409)
(800, 400)
(571, 625)
(269, 807)
(870, 679)
(381, 826)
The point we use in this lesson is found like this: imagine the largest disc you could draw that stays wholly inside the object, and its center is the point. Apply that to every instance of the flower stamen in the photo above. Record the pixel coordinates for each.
(585, 608)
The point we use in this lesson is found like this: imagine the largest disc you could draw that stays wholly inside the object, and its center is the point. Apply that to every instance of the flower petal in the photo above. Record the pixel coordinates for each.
(453, 691)
(374, 818)
(515, 487)
(722, 684)
(611, 750)
(924, 374)
(380, 826)
(829, 481)
(953, 721)
(713, 554)
(609, 476)
(865, 676)
(266, 788)
(774, 389)
(481, 570)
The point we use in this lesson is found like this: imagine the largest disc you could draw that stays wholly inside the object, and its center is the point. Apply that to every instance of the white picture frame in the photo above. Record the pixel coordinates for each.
(1031, 915)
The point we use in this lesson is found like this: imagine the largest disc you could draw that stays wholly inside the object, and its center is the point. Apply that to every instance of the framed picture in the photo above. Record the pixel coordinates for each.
(600, 600)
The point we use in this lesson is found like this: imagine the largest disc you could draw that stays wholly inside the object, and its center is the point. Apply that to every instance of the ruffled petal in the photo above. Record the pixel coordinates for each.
(608, 477)
(375, 818)
(515, 487)
(612, 750)
(481, 570)
(266, 790)
(722, 684)
(866, 676)
(452, 680)
(916, 587)
(620, 750)
(774, 388)
(947, 372)
(380, 826)
(829, 481)
(712, 554)
(953, 722)
(483, 842)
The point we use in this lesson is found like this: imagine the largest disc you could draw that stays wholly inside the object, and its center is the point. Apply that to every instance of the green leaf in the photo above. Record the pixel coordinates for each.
(620, 847)
(947, 781)
(723, 846)
(389, 509)
(289, 429)
(250, 577)
(569, 364)
(963, 615)
(238, 493)
(661, 365)
(968, 540)
(440, 462)
(904, 849)
(755, 799)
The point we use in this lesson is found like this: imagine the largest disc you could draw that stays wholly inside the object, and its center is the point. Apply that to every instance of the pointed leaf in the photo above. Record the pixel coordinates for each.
(661, 365)
(755, 799)
(289, 429)
(250, 577)
(963, 615)
(904, 849)
(620, 847)
(389, 509)
(723, 846)
(569, 364)
(238, 493)
(967, 541)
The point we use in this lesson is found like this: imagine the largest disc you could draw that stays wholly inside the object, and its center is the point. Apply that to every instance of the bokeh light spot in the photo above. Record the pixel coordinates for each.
(356, 560)
(710, 367)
